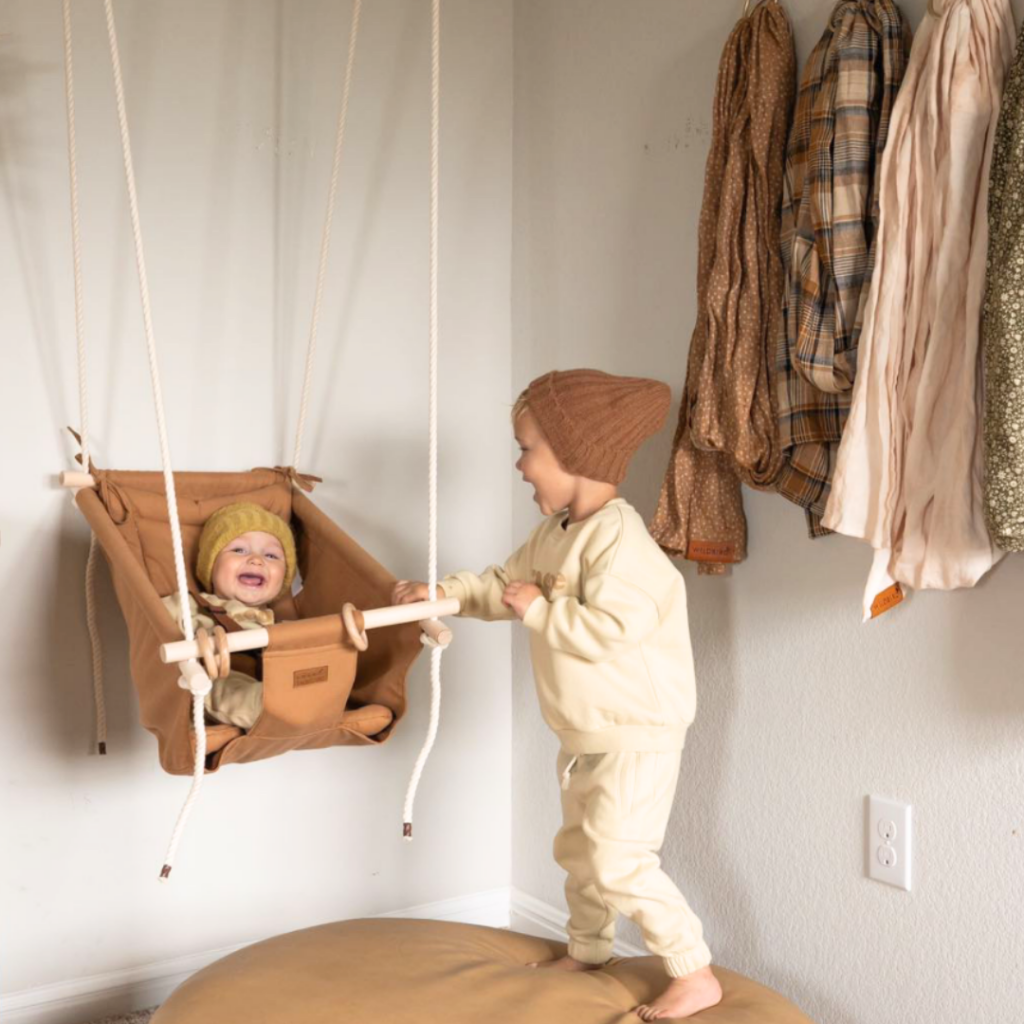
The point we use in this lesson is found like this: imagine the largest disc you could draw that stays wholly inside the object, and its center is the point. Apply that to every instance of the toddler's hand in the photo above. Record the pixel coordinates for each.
(411, 591)
(519, 595)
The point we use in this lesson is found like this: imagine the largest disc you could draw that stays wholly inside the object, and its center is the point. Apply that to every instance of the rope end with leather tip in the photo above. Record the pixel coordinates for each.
(165, 872)
(103, 749)
(407, 831)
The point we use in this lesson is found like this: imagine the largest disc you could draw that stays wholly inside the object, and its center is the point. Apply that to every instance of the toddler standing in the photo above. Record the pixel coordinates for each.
(610, 646)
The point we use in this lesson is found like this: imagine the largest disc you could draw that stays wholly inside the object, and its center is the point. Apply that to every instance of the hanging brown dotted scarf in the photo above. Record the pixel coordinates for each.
(728, 422)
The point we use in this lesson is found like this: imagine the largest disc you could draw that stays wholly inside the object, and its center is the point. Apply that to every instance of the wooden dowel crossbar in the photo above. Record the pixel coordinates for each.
(256, 639)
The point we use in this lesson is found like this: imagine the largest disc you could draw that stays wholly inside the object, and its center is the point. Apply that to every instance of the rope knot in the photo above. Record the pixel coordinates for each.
(304, 481)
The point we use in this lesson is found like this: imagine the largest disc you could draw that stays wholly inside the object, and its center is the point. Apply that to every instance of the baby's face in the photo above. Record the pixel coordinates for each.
(250, 569)
(553, 487)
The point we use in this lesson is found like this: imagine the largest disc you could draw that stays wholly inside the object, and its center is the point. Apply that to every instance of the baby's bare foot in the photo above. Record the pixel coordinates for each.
(566, 963)
(684, 997)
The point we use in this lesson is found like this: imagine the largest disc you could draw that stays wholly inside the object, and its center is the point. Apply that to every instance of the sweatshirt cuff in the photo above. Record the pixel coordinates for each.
(536, 616)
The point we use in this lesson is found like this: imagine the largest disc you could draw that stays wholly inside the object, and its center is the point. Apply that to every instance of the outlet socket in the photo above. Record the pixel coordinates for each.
(889, 842)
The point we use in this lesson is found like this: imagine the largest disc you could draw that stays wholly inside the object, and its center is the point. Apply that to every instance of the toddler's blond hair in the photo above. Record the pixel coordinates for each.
(520, 407)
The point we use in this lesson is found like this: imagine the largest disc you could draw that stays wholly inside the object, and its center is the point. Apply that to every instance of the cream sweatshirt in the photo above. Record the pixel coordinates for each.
(609, 640)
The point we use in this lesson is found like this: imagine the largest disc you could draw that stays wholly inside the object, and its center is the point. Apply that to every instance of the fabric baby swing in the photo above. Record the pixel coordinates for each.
(324, 685)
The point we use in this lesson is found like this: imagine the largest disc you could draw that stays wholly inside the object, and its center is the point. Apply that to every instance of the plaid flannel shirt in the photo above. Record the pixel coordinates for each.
(829, 219)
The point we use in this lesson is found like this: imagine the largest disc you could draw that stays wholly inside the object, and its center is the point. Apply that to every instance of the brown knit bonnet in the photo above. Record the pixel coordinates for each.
(595, 421)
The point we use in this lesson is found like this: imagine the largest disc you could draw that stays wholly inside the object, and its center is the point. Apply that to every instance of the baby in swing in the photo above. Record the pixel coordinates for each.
(246, 560)
(610, 646)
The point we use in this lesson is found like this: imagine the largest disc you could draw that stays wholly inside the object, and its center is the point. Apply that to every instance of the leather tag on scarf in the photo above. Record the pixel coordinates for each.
(887, 600)
(710, 551)
(305, 676)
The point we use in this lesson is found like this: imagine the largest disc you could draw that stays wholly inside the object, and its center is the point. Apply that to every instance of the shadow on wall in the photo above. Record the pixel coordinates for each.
(221, 224)
(384, 466)
(984, 687)
(695, 837)
(64, 695)
(402, 86)
(23, 152)
(696, 832)
(138, 35)
(68, 717)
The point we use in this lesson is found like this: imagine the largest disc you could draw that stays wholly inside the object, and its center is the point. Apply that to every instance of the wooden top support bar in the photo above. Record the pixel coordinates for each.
(76, 479)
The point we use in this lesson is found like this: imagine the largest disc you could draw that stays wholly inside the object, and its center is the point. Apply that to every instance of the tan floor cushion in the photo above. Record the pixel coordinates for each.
(390, 971)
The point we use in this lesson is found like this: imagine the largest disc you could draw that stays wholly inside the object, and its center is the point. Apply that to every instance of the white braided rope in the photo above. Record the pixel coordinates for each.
(199, 680)
(325, 243)
(436, 652)
(95, 645)
(76, 237)
(198, 767)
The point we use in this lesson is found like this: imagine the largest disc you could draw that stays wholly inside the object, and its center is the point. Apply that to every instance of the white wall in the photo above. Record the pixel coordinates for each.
(802, 710)
(233, 107)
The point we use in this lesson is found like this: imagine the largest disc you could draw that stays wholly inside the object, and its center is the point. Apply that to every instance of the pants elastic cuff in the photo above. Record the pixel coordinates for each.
(591, 952)
(681, 964)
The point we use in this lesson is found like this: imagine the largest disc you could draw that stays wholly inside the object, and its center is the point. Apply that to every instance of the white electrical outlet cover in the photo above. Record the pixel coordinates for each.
(890, 842)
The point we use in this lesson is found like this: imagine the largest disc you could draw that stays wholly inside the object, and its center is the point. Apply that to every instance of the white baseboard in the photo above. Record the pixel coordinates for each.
(101, 995)
(535, 917)
(489, 908)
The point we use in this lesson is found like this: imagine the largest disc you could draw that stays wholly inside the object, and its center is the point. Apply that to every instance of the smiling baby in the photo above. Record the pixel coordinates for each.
(247, 559)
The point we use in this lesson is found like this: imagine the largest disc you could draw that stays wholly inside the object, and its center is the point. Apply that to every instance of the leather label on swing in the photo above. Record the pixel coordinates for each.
(305, 676)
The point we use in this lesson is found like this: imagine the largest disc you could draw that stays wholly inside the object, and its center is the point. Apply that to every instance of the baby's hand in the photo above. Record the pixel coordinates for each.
(519, 595)
(411, 591)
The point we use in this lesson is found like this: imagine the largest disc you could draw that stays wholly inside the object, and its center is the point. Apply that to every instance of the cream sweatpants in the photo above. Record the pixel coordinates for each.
(615, 808)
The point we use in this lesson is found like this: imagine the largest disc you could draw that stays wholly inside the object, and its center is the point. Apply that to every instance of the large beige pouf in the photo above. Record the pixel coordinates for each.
(389, 971)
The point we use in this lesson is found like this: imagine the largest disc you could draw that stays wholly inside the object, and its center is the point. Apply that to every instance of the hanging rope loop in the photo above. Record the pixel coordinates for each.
(436, 652)
(158, 403)
(95, 644)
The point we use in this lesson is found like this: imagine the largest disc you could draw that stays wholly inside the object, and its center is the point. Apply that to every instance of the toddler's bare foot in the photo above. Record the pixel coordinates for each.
(684, 997)
(566, 963)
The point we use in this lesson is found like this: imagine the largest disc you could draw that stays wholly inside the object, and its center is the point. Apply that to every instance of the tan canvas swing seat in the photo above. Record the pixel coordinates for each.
(318, 690)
